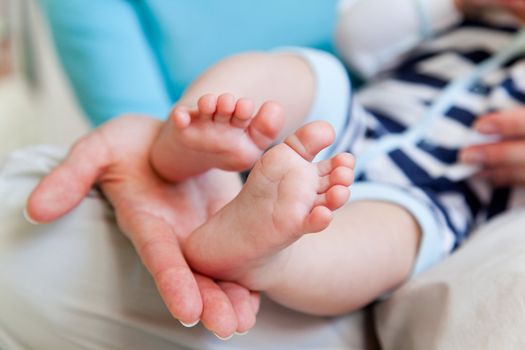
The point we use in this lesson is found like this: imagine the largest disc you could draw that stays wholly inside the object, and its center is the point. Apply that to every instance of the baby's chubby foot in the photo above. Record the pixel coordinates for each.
(222, 132)
(285, 197)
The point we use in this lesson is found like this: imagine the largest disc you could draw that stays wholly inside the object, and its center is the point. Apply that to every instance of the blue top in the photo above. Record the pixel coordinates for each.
(138, 56)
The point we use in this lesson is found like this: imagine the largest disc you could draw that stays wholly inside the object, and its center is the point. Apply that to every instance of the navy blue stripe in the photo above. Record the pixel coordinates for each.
(459, 234)
(477, 55)
(480, 89)
(415, 173)
(408, 71)
(421, 178)
(412, 170)
(415, 58)
(499, 202)
(473, 23)
(473, 201)
(443, 154)
(410, 76)
(461, 115)
(514, 60)
(513, 91)
(374, 134)
(387, 121)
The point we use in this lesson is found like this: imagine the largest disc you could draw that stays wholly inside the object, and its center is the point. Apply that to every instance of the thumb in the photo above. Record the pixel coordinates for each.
(66, 185)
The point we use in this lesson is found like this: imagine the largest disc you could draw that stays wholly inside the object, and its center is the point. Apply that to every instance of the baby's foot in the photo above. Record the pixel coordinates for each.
(221, 132)
(285, 197)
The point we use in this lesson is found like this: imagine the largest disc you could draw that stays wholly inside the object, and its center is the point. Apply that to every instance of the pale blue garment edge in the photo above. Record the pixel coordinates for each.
(138, 56)
(333, 91)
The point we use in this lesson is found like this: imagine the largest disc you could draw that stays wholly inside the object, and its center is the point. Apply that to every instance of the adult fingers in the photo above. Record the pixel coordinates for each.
(65, 187)
(509, 124)
(255, 300)
(506, 153)
(504, 176)
(218, 314)
(242, 301)
(159, 250)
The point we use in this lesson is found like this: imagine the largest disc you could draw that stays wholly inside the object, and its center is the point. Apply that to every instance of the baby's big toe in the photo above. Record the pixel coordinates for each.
(180, 117)
(267, 124)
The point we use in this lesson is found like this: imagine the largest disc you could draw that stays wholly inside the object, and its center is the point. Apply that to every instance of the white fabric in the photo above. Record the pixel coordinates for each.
(333, 95)
(473, 300)
(78, 284)
(372, 35)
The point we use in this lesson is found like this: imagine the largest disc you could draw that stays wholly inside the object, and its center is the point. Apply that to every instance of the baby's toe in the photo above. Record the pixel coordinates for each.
(334, 198)
(243, 113)
(340, 176)
(207, 105)
(318, 219)
(340, 160)
(225, 108)
(180, 117)
(337, 196)
(267, 124)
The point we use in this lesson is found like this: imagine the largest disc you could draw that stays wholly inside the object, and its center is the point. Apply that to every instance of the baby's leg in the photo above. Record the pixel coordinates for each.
(208, 128)
(257, 239)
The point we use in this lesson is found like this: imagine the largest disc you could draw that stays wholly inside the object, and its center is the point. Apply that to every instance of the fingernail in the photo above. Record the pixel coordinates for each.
(241, 333)
(224, 339)
(189, 325)
(472, 157)
(29, 219)
(487, 128)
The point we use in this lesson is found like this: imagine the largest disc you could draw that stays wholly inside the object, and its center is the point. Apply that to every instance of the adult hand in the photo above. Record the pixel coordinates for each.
(156, 215)
(503, 162)
(515, 7)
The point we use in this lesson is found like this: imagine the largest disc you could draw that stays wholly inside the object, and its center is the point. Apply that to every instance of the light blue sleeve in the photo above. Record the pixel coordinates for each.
(106, 56)
(189, 36)
(138, 56)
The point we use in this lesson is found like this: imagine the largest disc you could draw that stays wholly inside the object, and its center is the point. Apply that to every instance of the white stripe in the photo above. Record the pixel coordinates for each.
(471, 38)
(447, 66)
(442, 104)
(501, 100)
(517, 73)
(385, 170)
(457, 210)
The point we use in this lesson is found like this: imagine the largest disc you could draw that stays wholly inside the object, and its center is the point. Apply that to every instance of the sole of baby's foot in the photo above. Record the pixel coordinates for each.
(222, 132)
(285, 197)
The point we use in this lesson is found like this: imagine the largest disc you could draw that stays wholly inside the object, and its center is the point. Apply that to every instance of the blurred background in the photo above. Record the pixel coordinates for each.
(36, 102)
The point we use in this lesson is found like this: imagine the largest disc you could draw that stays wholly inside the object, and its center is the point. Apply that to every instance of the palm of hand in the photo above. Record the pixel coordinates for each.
(155, 214)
